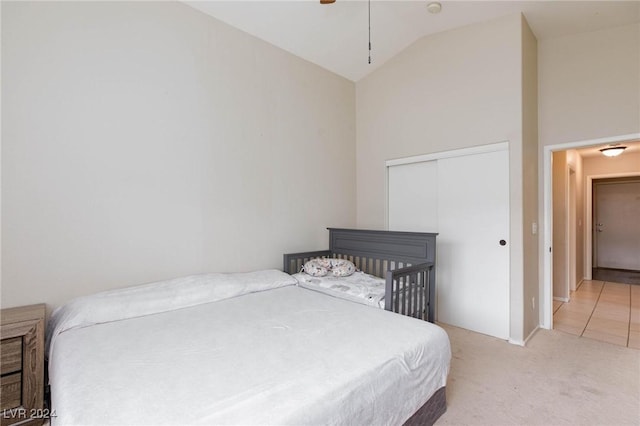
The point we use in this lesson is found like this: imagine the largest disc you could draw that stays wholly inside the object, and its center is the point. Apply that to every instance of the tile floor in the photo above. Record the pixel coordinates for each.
(601, 310)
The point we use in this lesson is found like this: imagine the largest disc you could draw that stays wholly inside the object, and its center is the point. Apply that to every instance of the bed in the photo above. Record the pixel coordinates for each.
(405, 260)
(245, 348)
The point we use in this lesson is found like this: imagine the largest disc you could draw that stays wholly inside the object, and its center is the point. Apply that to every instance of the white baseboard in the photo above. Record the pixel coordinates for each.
(561, 299)
(516, 342)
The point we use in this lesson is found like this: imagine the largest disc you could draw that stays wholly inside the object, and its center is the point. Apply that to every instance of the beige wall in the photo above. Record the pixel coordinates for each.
(455, 89)
(589, 85)
(143, 141)
(559, 189)
(531, 288)
(563, 161)
(600, 165)
(576, 162)
(588, 88)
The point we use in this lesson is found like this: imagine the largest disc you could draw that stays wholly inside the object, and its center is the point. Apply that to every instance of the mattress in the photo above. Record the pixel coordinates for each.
(357, 287)
(269, 354)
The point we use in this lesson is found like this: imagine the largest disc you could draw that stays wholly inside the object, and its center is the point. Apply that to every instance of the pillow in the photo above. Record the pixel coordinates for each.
(334, 267)
(317, 267)
(342, 268)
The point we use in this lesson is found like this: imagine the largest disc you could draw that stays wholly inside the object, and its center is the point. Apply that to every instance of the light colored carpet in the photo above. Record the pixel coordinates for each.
(558, 379)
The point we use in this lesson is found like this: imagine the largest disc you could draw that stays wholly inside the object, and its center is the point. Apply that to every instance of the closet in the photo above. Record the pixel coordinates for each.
(462, 195)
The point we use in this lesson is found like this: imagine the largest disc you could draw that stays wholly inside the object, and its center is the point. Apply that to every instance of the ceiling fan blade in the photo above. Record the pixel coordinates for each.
(327, 1)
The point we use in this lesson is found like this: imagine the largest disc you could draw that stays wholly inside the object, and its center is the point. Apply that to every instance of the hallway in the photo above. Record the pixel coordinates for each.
(602, 310)
(616, 275)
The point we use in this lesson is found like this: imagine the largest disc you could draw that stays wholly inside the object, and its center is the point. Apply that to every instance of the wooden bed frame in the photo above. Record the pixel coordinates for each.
(406, 260)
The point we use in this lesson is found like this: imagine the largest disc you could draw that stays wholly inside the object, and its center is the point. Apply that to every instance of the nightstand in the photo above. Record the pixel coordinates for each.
(22, 365)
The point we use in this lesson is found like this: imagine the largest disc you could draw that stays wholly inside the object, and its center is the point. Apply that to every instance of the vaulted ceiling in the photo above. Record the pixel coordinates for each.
(335, 36)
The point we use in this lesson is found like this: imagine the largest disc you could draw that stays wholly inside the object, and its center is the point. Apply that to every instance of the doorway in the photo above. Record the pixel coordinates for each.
(546, 246)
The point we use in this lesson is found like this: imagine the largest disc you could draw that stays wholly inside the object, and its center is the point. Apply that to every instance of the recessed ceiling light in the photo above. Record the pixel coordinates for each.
(434, 7)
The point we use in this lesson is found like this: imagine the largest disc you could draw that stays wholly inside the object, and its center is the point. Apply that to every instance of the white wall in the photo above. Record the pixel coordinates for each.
(589, 85)
(451, 90)
(143, 141)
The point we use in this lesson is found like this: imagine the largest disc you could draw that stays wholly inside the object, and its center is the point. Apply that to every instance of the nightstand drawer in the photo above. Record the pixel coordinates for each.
(11, 391)
(11, 350)
(22, 379)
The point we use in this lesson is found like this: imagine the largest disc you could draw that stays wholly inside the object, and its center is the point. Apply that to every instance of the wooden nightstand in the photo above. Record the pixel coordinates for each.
(22, 365)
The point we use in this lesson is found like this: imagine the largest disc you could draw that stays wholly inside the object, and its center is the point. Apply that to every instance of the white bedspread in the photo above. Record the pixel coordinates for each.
(281, 356)
(162, 296)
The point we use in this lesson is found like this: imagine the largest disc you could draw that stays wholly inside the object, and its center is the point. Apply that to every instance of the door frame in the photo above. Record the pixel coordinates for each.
(546, 291)
(571, 230)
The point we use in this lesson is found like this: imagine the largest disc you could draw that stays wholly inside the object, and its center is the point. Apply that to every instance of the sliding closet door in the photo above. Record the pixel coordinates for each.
(412, 195)
(473, 263)
(465, 199)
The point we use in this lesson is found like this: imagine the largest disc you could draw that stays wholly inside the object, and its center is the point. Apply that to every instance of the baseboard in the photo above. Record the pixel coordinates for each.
(561, 299)
(535, 330)
(516, 342)
(524, 342)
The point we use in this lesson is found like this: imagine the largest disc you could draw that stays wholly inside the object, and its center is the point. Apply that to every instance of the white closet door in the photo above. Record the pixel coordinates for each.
(473, 266)
(465, 198)
(412, 195)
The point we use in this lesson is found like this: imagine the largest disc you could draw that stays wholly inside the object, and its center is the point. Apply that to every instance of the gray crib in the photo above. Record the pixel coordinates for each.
(406, 260)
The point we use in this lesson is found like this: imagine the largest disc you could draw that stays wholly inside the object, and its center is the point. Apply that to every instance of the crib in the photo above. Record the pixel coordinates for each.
(406, 260)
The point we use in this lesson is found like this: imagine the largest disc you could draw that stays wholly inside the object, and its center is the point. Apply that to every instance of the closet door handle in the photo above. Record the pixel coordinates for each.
(503, 243)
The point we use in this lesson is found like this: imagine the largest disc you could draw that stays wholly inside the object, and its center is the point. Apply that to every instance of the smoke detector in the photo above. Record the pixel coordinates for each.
(434, 7)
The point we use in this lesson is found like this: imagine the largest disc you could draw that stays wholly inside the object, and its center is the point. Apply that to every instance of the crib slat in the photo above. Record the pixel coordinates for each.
(414, 295)
(420, 295)
(409, 294)
(419, 301)
(407, 287)
(396, 299)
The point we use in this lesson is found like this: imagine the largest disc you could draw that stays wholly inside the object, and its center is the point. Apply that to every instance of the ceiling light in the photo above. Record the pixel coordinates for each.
(434, 7)
(613, 150)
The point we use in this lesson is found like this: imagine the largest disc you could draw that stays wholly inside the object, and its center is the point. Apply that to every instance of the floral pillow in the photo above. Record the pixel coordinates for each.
(341, 268)
(334, 267)
(316, 267)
